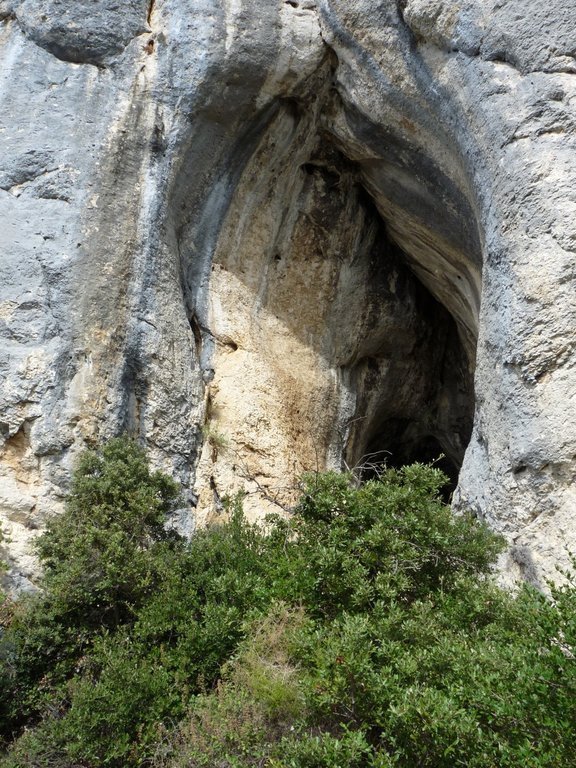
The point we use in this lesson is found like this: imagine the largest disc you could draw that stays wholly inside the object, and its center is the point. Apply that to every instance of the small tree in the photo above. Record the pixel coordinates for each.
(96, 555)
(101, 557)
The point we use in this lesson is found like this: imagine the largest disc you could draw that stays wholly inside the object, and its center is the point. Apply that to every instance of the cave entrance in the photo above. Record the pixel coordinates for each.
(411, 372)
(401, 326)
(348, 281)
(407, 444)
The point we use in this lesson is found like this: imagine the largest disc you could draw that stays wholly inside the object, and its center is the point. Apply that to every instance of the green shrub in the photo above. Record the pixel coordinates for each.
(364, 632)
(102, 558)
(326, 750)
(404, 654)
(99, 556)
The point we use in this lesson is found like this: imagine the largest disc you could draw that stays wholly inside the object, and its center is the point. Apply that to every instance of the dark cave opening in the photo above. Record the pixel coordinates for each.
(401, 442)
(411, 365)
(412, 374)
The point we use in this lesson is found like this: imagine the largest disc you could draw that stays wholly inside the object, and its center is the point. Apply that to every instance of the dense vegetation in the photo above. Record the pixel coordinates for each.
(363, 632)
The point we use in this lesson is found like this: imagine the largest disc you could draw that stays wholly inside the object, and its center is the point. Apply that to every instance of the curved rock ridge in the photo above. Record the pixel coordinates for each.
(267, 238)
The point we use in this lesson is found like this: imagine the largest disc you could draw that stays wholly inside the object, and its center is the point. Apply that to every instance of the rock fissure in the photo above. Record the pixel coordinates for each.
(150, 11)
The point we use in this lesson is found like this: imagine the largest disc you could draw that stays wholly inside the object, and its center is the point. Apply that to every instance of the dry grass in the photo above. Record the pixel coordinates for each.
(252, 708)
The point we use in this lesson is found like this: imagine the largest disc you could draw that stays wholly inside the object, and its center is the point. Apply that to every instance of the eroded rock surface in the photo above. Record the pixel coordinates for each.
(276, 237)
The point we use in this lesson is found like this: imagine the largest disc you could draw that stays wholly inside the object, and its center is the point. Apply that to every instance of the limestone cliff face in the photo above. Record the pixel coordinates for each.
(275, 236)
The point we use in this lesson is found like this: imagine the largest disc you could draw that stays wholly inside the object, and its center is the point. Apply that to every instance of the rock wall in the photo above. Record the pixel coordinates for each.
(282, 236)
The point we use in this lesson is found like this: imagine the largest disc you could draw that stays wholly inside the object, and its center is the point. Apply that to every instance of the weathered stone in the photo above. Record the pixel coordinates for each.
(84, 31)
(274, 237)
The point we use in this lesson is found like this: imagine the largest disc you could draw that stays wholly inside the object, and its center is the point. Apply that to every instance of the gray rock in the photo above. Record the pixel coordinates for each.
(317, 230)
(84, 31)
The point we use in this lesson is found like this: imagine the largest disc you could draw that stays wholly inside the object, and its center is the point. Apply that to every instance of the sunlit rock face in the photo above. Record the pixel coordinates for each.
(274, 237)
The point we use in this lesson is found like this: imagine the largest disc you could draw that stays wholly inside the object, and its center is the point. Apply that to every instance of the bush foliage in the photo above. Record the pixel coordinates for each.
(363, 632)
